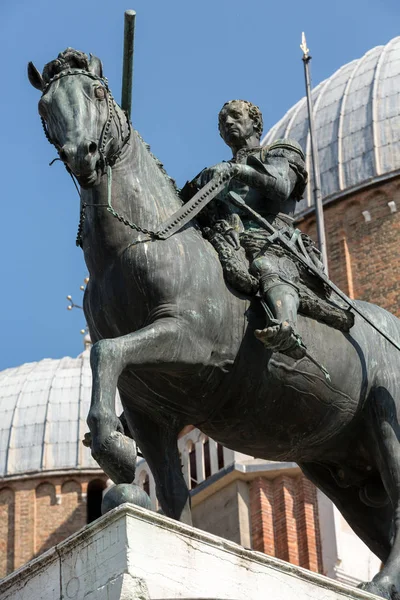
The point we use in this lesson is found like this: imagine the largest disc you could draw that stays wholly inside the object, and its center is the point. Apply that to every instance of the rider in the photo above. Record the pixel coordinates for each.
(270, 180)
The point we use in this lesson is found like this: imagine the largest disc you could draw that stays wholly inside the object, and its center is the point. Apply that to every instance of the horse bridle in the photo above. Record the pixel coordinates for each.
(106, 161)
(105, 139)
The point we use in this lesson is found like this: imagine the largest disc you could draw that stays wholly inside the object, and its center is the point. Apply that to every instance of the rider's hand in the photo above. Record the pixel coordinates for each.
(218, 169)
(231, 234)
(232, 237)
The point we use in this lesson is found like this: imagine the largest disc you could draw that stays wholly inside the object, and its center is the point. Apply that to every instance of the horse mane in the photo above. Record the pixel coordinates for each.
(75, 59)
(68, 59)
(160, 165)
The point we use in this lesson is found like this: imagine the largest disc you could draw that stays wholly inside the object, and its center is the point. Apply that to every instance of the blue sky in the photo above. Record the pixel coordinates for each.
(190, 57)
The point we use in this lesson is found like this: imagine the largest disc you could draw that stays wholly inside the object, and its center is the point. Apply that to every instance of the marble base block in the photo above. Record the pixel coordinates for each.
(134, 554)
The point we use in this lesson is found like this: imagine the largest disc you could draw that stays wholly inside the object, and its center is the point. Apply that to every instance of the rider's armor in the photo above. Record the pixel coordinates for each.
(278, 273)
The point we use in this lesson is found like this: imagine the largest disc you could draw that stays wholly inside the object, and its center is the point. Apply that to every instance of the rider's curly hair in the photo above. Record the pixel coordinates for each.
(254, 114)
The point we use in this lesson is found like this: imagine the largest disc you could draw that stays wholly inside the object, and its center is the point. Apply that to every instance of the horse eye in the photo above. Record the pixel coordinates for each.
(100, 93)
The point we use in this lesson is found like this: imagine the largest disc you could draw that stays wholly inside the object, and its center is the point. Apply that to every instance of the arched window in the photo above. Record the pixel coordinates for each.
(220, 452)
(94, 498)
(143, 481)
(45, 506)
(192, 467)
(146, 484)
(7, 513)
(207, 459)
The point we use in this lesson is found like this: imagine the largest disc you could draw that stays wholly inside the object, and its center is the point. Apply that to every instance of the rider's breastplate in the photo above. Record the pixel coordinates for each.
(267, 207)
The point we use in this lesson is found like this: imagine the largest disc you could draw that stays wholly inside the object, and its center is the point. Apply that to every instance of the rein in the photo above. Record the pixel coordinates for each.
(110, 209)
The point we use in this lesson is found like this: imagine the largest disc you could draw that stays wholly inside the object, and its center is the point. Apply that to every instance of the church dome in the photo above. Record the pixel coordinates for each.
(357, 125)
(43, 409)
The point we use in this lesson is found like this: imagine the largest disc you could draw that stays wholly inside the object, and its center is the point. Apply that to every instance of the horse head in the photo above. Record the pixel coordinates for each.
(79, 115)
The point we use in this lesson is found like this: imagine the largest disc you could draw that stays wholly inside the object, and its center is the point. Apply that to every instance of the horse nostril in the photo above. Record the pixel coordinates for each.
(92, 148)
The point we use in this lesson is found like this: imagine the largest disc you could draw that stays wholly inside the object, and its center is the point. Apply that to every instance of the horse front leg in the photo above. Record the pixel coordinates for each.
(164, 342)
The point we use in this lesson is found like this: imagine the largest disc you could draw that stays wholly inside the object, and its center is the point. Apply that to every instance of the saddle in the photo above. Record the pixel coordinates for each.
(316, 301)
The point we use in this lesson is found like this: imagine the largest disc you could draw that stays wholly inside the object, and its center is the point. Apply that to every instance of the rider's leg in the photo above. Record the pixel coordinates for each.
(282, 299)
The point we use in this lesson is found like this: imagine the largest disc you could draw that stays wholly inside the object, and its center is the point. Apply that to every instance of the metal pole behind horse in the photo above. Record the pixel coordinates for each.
(319, 211)
(127, 72)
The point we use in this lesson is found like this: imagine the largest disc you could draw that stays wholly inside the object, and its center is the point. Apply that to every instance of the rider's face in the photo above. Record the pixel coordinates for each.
(235, 124)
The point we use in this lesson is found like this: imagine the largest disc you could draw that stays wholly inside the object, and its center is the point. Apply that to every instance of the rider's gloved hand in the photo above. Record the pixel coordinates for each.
(232, 237)
(230, 233)
(219, 169)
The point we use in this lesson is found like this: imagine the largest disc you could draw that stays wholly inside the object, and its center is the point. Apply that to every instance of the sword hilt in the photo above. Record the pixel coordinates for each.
(236, 199)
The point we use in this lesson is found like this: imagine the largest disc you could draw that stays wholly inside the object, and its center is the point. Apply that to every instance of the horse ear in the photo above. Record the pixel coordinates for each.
(96, 66)
(35, 77)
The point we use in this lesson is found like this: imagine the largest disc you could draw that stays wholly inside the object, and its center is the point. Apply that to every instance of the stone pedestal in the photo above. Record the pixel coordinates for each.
(134, 554)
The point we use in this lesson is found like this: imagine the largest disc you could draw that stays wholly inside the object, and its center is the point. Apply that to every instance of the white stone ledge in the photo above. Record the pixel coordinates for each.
(135, 554)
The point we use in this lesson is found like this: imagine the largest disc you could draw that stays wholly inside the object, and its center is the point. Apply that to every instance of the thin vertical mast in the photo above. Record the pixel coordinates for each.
(319, 211)
(127, 71)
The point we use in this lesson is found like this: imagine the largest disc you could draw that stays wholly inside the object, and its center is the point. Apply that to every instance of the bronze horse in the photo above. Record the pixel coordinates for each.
(179, 344)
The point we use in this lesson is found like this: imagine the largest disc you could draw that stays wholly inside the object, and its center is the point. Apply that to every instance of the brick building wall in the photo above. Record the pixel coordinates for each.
(363, 255)
(37, 513)
(284, 520)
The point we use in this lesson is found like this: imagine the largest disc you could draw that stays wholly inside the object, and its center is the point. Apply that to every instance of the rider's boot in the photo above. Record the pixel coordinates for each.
(281, 333)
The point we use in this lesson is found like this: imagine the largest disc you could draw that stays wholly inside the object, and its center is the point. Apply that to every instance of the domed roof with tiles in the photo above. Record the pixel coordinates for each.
(43, 409)
(357, 125)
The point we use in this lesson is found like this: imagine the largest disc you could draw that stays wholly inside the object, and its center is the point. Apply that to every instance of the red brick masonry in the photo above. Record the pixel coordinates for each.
(284, 520)
(37, 513)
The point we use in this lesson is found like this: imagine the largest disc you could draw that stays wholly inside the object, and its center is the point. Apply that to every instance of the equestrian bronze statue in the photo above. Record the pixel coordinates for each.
(175, 307)
(269, 180)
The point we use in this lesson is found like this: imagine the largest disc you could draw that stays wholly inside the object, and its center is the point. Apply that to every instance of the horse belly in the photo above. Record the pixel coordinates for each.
(295, 410)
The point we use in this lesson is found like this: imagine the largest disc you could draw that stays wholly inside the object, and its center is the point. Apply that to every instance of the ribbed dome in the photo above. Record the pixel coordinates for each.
(357, 124)
(43, 409)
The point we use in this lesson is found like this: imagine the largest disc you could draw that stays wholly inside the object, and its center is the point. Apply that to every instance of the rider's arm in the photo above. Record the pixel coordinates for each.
(274, 177)
(279, 168)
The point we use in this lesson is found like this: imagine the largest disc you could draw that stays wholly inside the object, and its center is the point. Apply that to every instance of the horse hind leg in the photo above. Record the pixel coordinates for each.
(384, 434)
(372, 524)
(158, 444)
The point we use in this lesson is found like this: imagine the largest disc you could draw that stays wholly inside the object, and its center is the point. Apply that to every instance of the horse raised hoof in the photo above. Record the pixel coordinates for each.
(122, 493)
(381, 589)
(116, 456)
(281, 337)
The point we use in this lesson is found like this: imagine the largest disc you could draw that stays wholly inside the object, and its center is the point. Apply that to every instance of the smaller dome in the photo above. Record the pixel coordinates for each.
(43, 409)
